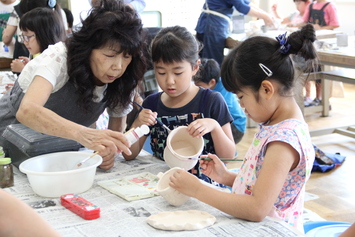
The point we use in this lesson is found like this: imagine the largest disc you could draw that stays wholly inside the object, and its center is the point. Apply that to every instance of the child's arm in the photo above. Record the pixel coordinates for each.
(349, 232)
(318, 27)
(19, 219)
(222, 136)
(8, 34)
(280, 158)
(135, 149)
(285, 20)
(117, 123)
(255, 11)
(275, 11)
(147, 117)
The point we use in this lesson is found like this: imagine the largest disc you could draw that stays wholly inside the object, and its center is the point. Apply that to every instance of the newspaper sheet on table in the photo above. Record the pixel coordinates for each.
(123, 218)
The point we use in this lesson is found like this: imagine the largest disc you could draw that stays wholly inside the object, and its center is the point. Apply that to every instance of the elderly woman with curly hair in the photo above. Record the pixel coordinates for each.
(65, 89)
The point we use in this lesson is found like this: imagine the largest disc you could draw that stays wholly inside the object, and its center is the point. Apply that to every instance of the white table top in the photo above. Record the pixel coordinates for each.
(123, 218)
(321, 34)
(8, 53)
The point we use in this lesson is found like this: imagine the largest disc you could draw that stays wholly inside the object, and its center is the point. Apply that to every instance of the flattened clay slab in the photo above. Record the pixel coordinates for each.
(181, 220)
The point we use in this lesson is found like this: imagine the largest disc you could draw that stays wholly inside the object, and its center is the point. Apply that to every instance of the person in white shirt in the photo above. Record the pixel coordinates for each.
(64, 90)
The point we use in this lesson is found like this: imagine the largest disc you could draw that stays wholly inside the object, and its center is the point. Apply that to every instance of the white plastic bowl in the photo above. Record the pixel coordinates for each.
(56, 174)
(182, 150)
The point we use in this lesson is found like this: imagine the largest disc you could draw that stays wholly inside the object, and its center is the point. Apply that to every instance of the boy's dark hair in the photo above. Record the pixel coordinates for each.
(70, 18)
(112, 24)
(301, 0)
(242, 67)
(209, 69)
(175, 44)
(46, 25)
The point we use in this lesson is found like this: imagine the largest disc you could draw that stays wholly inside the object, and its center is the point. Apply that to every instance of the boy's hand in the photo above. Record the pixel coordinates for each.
(147, 117)
(200, 127)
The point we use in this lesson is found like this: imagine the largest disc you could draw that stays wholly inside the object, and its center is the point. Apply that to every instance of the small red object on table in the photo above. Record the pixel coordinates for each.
(80, 206)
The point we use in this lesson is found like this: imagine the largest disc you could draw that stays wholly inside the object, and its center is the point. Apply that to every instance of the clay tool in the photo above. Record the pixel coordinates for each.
(87, 158)
(160, 122)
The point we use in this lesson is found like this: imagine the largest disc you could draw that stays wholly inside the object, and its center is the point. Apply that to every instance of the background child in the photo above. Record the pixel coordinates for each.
(70, 20)
(40, 27)
(271, 181)
(208, 77)
(6, 7)
(296, 17)
(323, 14)
(12, 28)
(174, 53)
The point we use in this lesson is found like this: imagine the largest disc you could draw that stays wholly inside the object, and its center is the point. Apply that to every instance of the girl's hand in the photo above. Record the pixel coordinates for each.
(17, 65)
(106, 142)
(215, 168)
(147, 117)
(25, 60)
(9, 86)
(200, 127)
(185, 183)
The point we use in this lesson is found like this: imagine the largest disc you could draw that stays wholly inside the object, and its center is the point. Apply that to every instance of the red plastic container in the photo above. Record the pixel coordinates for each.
(80, 206)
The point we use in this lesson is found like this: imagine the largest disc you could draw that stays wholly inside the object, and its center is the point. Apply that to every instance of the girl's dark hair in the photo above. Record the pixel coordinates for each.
(175, 44)
(111, 24)
(241, 68)
(46, 25)
(70, 17)
(28, 5)
(209, 69)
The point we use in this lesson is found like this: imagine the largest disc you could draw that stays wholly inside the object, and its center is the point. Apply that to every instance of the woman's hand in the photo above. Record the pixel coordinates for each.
(215, 168)
(108, 160)
(200, 127)
(185, 183)
(106, 142)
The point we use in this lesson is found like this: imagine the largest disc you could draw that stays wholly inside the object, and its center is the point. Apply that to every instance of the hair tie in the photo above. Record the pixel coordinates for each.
(265, 69)
(285, 47)
(52, 3)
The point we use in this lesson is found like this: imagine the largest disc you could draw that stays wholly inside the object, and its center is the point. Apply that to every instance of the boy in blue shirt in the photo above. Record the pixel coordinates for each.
(208, 77)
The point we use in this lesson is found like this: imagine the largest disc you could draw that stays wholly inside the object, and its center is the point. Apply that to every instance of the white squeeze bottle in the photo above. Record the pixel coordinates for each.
(133, 135)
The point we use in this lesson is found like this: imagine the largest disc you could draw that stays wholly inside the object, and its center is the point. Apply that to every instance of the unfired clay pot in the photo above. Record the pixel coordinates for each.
(182, 150)
(171, 195)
